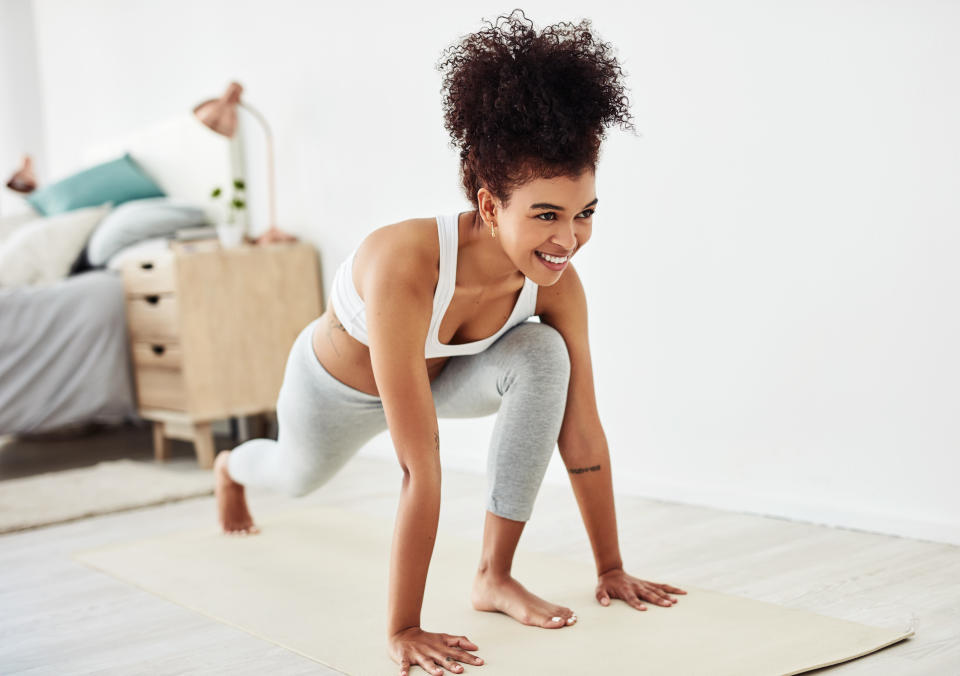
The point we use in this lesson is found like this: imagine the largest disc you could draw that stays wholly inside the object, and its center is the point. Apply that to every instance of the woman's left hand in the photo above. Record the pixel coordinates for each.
(616, 584)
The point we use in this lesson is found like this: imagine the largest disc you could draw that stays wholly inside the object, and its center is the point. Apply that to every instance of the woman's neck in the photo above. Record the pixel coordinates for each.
(481, 260)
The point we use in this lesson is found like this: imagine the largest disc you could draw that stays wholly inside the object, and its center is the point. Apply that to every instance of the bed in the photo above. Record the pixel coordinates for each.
(64, 357)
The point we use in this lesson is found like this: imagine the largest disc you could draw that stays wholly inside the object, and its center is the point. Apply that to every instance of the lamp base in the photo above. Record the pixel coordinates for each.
(274, 234)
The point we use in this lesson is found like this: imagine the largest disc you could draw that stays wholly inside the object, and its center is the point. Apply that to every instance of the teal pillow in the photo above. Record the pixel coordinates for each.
(118, 181)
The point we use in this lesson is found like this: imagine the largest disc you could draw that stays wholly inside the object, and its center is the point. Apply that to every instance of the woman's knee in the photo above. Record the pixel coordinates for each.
(304, 466)
(539, 349)
(301, 481)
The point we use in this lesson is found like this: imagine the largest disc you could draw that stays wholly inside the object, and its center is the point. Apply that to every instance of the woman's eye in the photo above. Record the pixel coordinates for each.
(588, 212)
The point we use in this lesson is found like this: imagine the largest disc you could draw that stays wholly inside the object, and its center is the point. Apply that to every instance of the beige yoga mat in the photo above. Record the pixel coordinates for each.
(315, 582)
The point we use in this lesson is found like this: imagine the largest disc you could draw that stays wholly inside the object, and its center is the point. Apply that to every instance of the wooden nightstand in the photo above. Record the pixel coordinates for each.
(210, 330)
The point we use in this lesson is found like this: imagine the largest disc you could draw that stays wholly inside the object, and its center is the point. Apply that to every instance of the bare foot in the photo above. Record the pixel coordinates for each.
(231, 502)
(506, 595)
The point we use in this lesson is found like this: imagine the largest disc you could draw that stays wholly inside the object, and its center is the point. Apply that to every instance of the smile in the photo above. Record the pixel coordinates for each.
(553, 262)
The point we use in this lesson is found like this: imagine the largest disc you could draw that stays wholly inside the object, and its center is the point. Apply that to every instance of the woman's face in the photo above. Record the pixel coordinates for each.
(551, 216)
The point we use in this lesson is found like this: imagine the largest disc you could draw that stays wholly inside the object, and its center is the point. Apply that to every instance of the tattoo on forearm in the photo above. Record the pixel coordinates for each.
(334, 324)
(581, 470)
(436, 440)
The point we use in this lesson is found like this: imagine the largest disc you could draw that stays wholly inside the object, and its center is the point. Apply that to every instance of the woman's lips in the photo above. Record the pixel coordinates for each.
(553, 266)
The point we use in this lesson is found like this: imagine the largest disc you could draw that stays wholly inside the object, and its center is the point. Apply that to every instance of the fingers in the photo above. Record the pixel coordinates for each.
(428, 664)
(605, 596)
(632, 599)
(452, 662)
(449, 663)
(404, 667)
(656, 596)
(671, 588)
(460, 645)
(464, 656)
(460, 642)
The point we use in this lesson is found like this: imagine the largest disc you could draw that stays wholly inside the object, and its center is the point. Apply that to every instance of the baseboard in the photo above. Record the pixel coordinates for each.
(794, 508)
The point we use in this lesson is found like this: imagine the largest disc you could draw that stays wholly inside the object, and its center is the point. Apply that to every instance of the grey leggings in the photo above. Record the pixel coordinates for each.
(322, 422)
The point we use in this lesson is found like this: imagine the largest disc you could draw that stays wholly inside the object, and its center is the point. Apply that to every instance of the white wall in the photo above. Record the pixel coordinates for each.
(21, 125)
(772, 279)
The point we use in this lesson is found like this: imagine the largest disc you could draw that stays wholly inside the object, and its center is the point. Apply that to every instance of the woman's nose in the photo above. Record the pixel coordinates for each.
(565, 237)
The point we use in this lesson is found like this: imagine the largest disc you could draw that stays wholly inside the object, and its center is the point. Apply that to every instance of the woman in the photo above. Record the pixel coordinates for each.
(426, 320)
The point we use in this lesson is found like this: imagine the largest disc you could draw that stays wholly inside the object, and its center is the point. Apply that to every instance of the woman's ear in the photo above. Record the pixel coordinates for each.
(487, 205)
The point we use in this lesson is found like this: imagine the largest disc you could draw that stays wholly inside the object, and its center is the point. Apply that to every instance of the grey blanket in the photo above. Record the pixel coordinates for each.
(64, 356)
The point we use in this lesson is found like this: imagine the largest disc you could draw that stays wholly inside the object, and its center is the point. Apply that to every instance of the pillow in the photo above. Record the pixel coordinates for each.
(9, 224)
(147, 247)
(138, 220)
(40, 252)
(118, 181)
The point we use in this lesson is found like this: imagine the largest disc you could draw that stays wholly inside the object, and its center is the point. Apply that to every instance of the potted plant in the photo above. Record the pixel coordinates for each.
(231, 230)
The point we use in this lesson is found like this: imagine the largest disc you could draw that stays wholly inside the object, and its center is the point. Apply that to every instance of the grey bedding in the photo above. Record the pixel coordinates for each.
(64, 356)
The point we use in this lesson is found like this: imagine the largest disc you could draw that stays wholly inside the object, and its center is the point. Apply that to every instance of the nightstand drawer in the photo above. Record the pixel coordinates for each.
(157, 354)
(161, 388)
(152, 317)
(151, 273)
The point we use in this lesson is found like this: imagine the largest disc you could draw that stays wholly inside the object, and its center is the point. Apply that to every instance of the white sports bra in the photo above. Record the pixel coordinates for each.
(352, 314)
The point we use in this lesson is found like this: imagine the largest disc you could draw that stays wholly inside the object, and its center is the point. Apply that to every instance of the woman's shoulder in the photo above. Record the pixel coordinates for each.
(409, 249)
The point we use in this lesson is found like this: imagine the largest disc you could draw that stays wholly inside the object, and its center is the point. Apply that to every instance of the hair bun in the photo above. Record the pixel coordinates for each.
(520, 104)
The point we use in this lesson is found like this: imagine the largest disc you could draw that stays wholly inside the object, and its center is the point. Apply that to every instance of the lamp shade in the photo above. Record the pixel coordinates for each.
(24, 179)
(221, 114)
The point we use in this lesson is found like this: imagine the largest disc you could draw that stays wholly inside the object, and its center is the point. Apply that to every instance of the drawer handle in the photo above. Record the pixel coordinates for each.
(147, 266)
(153, 300)
(157, 349)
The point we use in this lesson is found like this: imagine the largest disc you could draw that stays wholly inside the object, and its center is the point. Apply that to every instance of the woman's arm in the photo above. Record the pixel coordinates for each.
(583, 447)
(399, 305)
(582, 443)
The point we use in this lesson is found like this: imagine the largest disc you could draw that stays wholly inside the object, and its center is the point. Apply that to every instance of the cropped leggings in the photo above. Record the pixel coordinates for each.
(322, 422)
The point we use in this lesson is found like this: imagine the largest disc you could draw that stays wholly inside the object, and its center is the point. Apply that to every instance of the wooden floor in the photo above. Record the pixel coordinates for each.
(60, 617)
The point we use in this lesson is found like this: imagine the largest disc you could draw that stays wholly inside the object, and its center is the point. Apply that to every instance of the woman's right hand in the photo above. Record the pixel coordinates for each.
(413, 645)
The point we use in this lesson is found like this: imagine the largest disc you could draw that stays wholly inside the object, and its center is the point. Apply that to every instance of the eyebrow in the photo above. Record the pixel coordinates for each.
(545, 205)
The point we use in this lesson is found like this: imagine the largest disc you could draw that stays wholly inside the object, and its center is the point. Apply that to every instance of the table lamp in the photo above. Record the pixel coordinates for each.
(24, 179)
(220, 115)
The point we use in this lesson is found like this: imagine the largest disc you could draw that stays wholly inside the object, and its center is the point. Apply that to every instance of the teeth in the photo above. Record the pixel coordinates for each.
(552, 259)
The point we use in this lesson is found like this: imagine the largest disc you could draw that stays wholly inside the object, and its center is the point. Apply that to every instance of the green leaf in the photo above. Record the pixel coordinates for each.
(239, 184)
(215, 193)
(238, 203)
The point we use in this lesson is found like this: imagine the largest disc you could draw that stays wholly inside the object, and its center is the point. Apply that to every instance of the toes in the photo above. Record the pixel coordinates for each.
(234, 532)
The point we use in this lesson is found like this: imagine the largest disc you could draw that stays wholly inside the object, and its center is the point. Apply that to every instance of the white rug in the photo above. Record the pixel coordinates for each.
(114, 486)
(315, 582)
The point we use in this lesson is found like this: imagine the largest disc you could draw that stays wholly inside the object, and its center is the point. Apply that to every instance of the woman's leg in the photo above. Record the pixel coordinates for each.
(523, 377)
(321, 424)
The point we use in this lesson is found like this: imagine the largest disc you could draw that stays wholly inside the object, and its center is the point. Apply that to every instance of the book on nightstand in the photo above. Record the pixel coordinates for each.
(196, 232)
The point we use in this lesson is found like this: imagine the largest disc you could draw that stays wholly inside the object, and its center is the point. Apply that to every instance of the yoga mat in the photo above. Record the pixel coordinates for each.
(315, 582)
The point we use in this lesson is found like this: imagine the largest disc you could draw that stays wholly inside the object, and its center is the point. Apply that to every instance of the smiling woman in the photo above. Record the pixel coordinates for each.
(441, 331)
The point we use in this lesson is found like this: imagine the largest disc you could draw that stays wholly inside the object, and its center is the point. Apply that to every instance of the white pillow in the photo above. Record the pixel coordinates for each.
(8, 224)
(41, 251)
(154, 245)
(137, 220)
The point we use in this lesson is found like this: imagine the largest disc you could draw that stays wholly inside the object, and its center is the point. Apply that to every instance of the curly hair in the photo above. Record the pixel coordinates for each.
(519, 105)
